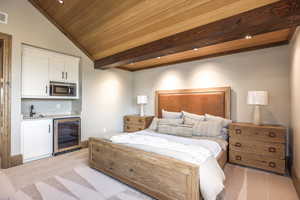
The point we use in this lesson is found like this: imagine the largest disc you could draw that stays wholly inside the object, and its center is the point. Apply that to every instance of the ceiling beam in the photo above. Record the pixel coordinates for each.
(280, 15)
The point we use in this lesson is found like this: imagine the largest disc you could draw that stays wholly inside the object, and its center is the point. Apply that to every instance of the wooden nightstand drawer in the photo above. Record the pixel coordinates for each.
(134, 120)
(258, 133)
(257, 161)
(133, 127)
(272, 150)
(133, 123)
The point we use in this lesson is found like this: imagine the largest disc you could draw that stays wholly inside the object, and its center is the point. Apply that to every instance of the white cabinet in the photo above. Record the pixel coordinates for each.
(40, 67)
(35, 80)
(37, 139)
(72, 69)
(64, 69)
(57, 68)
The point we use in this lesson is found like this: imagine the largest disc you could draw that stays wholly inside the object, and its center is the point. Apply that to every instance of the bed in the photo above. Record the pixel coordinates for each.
(159, 176)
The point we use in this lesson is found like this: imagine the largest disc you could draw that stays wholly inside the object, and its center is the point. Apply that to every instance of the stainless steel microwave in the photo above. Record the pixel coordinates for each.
(63, 89)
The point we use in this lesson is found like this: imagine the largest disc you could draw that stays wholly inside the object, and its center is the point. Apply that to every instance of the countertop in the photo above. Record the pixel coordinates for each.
(27, 118)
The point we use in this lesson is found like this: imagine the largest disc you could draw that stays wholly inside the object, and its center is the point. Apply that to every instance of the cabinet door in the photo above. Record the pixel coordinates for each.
(57, 68)
(37, 139)
(35, 80)
(72, 69)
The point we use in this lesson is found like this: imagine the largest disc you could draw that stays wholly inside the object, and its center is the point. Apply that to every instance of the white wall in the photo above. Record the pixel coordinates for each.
(295, 99)
(27, 25)
(266, 69)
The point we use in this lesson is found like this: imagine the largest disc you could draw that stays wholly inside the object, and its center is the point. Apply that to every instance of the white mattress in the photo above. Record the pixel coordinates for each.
(212, 146)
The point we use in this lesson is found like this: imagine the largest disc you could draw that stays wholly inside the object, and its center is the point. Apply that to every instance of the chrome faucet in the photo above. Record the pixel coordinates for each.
(31, 111)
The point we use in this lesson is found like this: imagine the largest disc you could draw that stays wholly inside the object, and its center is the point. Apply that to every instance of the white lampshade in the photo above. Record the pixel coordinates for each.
(258, 98)
(142, 100)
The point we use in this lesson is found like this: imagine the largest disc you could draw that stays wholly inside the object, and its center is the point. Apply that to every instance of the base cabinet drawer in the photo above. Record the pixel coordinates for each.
(257, 161)
(272, 150)
(259, 134)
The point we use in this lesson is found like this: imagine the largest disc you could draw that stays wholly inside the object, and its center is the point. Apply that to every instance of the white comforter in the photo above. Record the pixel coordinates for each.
(211, 174)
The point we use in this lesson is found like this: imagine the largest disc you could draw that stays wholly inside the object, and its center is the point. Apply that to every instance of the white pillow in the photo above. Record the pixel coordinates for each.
(170, 121)
(210, 128)
(184, 130)
(154, 124)
(225, 122)
(171, 115)
(156, 121)
(190, 118)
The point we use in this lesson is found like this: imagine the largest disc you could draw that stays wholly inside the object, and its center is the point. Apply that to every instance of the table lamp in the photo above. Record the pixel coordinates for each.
(257, 98)
(142, 100)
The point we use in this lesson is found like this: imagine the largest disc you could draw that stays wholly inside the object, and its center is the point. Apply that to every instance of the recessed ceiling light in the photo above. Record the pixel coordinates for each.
(60, 1)
(195, 49)
(247, 37)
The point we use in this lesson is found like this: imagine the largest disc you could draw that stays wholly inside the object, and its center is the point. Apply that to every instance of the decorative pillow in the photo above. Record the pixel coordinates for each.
(185, 130)
(156, 121)
(210, 128)
(170, 121)
(171, 115)
(154, 124)
(225, 122)
(190, 118)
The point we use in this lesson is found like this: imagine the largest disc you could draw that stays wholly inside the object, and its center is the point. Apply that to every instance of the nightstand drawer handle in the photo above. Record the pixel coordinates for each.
(238, 131)
(272, 149)
(272, 164)
(272, 134)
(127, 119)
(131, 170)
(140, 120)
(238, 144)
(238, 157)
(127, 127)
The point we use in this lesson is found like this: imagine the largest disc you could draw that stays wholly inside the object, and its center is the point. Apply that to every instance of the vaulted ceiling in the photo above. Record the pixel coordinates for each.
(108, 31)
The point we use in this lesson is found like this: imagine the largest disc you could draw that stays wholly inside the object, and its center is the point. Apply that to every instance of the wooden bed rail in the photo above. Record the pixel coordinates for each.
(159, 176)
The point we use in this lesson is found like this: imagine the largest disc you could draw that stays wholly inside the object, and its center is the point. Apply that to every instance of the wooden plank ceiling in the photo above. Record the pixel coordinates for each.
(116, 33)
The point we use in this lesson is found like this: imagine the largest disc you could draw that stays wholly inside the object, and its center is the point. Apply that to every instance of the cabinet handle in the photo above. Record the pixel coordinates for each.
(63, 75)
(46, 89)
(272, 164)
(238, 144)
(238, 131)
(272, 149)
(49, 128)
(238, 157)
(66, 75)
(272, 134)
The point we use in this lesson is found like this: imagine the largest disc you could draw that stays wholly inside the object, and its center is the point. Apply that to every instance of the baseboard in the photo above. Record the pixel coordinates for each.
(296, 181)
(84, 144)
(16, 160)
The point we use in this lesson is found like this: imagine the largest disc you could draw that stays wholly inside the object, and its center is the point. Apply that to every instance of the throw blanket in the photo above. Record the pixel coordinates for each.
(211, 174)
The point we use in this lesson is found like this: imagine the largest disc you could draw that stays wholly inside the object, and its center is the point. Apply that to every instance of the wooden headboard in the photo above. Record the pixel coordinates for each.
(214, 101)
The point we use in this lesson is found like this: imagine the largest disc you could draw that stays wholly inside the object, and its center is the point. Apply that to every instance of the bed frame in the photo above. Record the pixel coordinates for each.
(162, 177)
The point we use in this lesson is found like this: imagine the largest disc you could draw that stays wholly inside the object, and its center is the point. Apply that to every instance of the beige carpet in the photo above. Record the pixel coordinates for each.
(67, 177)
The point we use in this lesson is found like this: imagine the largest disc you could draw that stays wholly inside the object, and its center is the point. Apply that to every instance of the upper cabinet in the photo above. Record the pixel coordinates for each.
(56, 68)
(64, 69)
(35, 72)
(71, 70)
(40, 67)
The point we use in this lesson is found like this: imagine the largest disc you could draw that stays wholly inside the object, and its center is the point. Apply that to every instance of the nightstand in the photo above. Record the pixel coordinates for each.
(258, 146)
(133, 123)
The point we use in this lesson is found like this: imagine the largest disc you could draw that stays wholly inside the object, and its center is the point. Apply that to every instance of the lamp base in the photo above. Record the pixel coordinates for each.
(142, 114)
(256, 117)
